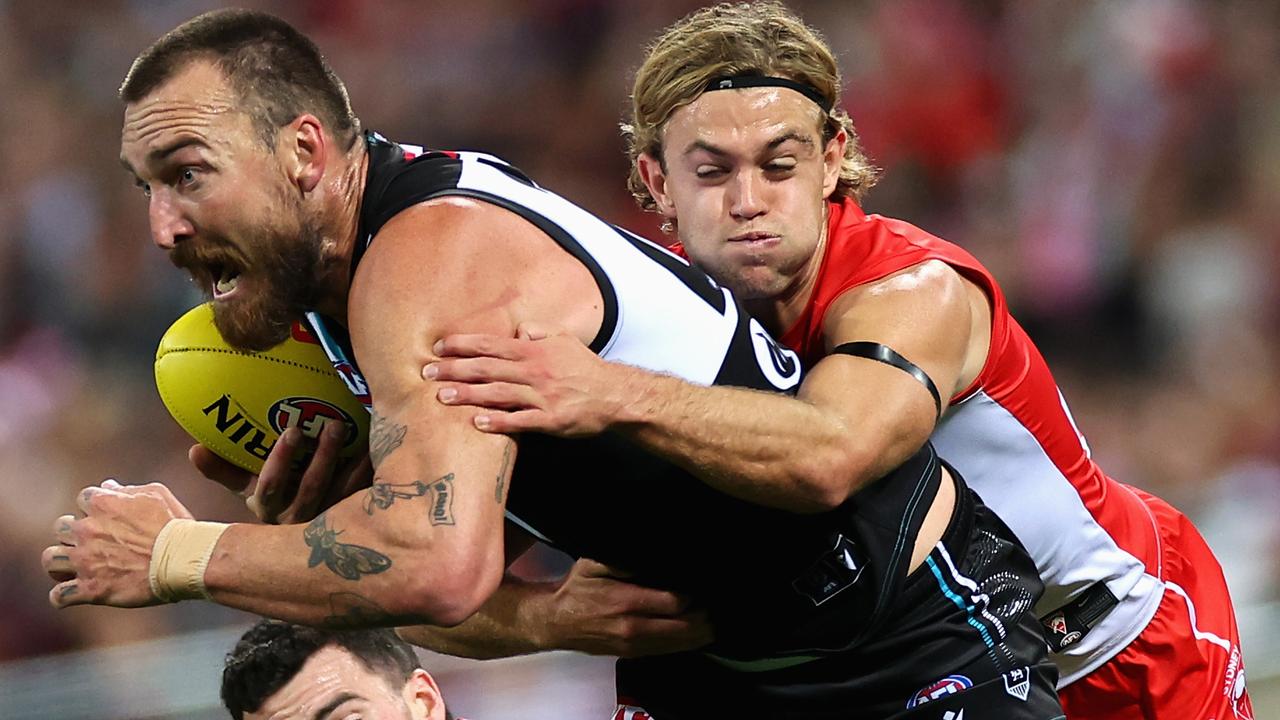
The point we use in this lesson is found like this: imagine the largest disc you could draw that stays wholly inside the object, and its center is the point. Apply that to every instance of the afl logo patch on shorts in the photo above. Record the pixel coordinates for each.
(780, 366)
(950, 685)
(309, 415)
(631, 712)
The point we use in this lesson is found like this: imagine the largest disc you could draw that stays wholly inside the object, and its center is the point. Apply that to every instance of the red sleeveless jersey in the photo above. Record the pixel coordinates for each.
(1011, 435)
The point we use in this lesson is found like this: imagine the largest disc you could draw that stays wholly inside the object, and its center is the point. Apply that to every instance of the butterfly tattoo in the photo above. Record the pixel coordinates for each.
(344, 559)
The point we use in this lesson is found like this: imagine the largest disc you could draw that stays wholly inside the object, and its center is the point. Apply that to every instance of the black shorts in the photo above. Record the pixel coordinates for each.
(961, 635)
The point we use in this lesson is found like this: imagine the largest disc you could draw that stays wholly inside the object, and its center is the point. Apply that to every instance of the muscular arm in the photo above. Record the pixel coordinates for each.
(424, 544)
(854, 418)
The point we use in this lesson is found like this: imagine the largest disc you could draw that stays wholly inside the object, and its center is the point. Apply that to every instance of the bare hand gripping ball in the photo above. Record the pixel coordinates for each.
(238, 403)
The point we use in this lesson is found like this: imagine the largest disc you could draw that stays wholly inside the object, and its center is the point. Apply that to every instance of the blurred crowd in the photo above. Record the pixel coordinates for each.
(1115, 163)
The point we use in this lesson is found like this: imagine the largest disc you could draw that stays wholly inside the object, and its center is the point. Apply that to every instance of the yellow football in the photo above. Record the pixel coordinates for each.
(238, 403)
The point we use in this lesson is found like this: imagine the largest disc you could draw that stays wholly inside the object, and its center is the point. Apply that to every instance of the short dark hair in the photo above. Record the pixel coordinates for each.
(277, 71)
(270, 653)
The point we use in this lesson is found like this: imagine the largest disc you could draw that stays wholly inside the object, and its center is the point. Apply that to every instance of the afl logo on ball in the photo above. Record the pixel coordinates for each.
(949, 685)
(311, 416)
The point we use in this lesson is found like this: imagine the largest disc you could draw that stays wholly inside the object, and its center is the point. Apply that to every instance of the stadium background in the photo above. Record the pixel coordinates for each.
(1116, 164)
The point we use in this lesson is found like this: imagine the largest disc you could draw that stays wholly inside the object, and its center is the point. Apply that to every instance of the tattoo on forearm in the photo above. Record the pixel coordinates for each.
(344, 559)
(442, 501)
(382, 495)
(502, 471)
(349, 611)
(384, 437)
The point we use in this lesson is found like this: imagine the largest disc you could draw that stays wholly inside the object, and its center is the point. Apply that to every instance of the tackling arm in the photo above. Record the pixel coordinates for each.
(855, 418)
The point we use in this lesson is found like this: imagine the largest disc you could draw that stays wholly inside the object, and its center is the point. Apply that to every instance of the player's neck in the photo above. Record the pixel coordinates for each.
(335, 278)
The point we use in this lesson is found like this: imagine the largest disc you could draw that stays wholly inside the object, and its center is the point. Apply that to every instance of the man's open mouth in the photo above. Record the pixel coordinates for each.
(225, 280)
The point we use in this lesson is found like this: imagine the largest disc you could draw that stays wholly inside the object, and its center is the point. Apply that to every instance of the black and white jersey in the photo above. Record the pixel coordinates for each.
(820, 580)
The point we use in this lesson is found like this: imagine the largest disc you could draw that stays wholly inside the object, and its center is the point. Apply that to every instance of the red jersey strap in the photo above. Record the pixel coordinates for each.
(863, 248)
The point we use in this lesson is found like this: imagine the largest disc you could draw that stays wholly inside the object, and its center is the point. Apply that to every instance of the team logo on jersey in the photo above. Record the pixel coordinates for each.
(1234, 686)
(949, 685)
(1017, 682)
(310, 415)
(781, 367)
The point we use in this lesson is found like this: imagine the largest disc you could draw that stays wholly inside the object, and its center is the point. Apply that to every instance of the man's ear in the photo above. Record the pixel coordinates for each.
(423, 697)
(655, 178)
(832, 159)
(304, 146)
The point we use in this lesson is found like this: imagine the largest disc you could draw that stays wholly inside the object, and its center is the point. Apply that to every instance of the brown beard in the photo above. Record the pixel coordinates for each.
(284, 272)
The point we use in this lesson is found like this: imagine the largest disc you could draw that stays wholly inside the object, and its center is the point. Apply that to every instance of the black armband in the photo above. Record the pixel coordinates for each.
(888, 356)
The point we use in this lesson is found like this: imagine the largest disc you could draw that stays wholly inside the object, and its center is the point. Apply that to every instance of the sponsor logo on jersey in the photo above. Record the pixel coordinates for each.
(309, 415)
(949, 685)
(1017, 682)
(780, 366)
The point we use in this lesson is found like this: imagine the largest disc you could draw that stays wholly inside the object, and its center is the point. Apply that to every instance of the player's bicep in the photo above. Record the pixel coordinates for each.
(429, 272)
(416, 283)
(910, 330)
(906, 338)
(415, 439)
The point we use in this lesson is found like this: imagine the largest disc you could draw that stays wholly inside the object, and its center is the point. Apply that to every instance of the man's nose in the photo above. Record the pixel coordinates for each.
(748, 196)
(169, 225)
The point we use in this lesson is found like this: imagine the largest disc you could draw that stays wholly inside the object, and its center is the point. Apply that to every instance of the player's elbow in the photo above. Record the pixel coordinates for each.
(833, 475)
(447, 593)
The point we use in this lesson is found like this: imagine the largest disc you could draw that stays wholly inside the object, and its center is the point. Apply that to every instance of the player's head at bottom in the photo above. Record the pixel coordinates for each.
(282, 670)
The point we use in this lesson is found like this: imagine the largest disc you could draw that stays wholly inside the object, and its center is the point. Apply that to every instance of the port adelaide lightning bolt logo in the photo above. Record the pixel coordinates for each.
(779, 365)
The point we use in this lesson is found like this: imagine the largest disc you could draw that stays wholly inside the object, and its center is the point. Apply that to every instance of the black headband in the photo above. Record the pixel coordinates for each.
(749, 81)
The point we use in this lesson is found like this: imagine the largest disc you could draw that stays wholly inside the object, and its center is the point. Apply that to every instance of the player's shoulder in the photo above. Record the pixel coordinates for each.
(433, 263)
(442, 230)
(931, 280)
(450, 250)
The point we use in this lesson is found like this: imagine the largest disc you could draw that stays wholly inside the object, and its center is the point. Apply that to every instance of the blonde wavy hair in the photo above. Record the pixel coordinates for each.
(754, 38)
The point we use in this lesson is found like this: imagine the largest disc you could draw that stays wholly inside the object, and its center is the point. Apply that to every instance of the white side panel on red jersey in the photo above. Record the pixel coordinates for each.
(1006, 465)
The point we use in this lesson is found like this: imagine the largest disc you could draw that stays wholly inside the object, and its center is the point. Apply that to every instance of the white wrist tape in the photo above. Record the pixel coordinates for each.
(179, 557)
